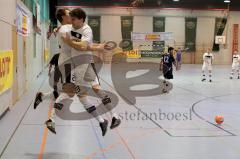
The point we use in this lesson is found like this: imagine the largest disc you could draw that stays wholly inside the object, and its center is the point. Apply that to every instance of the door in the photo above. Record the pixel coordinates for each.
(21, 64)
(15, 64)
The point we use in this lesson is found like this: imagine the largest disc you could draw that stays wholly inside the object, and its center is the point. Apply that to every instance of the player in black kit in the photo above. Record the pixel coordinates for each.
(166, 65)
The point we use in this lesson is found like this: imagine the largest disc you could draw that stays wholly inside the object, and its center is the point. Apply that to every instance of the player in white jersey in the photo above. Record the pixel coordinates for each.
(65, 20)
(207, 65)
(235, 65)
(82, 59)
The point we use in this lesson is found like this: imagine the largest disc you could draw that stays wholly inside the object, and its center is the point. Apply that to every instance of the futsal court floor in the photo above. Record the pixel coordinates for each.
(188, 132)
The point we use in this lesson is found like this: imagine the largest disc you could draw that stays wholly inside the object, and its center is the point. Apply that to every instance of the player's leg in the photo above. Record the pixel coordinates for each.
(40, 96)
(180, 65)
(165, 85)
(57, 78)
(210, 76)
(203, 72)
(232, 73)
(64, 74)
(107, 102)
(92, 77)
(50, 123)
(177, 64)
(238, 72)
(168, 74)
(82, 93)
(210, 73)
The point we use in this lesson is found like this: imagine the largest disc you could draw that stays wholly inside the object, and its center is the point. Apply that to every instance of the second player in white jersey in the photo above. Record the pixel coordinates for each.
(207, 65)
(207, 61)
(235, 65)
(236, 61)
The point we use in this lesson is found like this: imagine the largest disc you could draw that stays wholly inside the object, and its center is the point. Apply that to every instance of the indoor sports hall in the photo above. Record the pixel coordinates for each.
(119, 79)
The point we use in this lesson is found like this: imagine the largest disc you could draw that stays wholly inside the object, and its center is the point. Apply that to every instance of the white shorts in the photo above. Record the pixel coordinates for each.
(84, 73)
(235, 66)
(207, 67)
(93, 82)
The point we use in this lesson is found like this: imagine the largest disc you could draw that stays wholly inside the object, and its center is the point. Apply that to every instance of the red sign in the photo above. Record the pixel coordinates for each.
(235, 37)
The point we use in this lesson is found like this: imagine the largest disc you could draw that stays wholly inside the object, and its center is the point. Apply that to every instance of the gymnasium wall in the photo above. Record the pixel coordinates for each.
(27, 76)
(7, 16)
(36, 44)
(175, 22)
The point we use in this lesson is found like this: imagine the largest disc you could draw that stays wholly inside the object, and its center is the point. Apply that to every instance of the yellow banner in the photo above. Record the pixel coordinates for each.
(46, 55)
(24, 24)
(152, 37)
(6, 70)
(132, 54)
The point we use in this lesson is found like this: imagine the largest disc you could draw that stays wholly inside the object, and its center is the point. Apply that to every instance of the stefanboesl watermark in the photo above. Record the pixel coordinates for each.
(159, 115)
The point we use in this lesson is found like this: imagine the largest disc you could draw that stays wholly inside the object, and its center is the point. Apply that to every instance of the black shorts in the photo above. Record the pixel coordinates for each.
(167, 72)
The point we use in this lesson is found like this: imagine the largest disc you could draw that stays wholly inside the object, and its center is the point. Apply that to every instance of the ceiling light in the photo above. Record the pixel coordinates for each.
(227, 1)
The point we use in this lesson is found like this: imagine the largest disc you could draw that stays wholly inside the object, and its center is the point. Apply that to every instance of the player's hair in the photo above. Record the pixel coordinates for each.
(78, 13)
(60, 13)
(170, 49)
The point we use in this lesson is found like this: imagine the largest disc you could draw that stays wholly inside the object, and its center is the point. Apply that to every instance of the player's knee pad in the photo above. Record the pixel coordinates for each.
(106, 100)
(58, 106)
(91, 109)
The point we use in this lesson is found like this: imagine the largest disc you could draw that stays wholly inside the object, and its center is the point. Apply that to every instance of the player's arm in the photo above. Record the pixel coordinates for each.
(96, 47)
(77, 45)
(83, 45)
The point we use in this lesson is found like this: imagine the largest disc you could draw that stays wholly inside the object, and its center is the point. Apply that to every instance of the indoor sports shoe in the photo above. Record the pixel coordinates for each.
(164, 91)
(51, 126)
(103, 127)
(204, 79)
(38, 99)
(115, 123)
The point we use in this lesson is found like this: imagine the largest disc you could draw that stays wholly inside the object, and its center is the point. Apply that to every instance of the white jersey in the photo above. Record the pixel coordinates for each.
(82, 34)
(65, 50)
(236, 59)
(207, 59)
